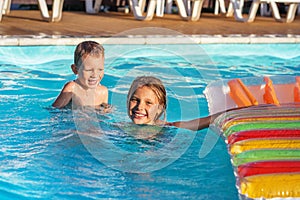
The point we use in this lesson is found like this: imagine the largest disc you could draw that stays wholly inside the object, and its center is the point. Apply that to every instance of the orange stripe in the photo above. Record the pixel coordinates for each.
(297, 90)
(248, 93)
(270, 95)
(230, 123)
(241, 94)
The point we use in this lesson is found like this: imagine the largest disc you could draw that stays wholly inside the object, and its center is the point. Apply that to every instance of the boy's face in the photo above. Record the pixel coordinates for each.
(91, 71)
(144, 106)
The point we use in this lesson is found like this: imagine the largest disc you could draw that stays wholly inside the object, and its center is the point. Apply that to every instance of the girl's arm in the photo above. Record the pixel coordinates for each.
(195, 124)
(200, 123)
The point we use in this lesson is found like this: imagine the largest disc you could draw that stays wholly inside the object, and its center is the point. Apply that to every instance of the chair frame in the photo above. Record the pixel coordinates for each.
(56, 14)
(236, 6)
(188, 9)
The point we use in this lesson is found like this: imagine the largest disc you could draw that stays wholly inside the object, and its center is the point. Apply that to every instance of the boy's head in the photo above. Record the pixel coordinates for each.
(146, 100)
(85, 48)
(89, 64)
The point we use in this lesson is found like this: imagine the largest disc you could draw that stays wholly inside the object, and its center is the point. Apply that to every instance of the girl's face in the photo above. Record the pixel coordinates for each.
(144, 107)
(91, 71)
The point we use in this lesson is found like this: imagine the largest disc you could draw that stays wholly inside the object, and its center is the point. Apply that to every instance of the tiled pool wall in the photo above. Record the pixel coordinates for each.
(149, 39)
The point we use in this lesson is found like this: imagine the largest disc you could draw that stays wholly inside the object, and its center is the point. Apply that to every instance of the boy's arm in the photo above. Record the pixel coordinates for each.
(102, 101)
(65, 96)
(106, 95)
(104, 106)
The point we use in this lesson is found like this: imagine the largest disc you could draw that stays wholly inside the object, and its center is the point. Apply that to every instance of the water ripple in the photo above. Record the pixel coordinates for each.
(42, 155)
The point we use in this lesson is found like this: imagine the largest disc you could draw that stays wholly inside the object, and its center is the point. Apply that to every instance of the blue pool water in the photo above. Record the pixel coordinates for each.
(42, 155)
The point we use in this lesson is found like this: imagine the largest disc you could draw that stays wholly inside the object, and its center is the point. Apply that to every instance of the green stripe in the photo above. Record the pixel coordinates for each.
(261, 125)
(264, 155)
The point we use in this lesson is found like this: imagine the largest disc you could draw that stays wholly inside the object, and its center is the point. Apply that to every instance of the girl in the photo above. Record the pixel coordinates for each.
(147, 102)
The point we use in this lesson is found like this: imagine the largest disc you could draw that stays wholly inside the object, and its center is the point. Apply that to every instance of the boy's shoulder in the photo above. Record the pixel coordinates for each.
(69, 86)
(102, 88)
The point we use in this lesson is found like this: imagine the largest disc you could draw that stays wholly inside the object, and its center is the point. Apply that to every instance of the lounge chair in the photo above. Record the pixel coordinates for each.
(92, 9)
(56, 14)
(4, 7)
(197, 8)
(138, 7)
(188, 9)
(236, 7)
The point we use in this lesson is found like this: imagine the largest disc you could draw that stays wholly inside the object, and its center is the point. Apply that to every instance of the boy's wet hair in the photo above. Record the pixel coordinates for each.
(155, 85)
(87, 48)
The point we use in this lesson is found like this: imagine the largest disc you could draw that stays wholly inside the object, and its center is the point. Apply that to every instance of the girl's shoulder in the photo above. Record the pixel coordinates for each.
(161, 123)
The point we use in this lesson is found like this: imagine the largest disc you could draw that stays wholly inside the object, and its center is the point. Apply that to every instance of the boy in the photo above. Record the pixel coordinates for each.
(89, 68)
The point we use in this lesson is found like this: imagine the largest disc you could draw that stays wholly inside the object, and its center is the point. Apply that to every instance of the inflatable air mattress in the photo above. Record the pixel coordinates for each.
(261, 126)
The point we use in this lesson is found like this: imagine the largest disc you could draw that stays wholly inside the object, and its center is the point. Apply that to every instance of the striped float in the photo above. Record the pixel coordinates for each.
(262, 131)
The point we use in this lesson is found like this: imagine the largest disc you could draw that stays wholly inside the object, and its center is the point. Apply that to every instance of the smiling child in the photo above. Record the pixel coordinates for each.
(146, 101)
(86, 89)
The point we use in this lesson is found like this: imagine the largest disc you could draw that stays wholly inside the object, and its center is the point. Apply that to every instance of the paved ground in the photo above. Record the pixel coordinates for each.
(78, 24)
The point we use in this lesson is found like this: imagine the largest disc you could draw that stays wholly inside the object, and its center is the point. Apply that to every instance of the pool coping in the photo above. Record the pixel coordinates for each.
(37, 40)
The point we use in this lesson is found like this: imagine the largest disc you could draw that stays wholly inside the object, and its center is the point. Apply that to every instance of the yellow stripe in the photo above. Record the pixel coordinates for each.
(271, 186)
(246, 145)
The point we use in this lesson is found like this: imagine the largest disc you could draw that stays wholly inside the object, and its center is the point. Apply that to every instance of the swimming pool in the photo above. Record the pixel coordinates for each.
(42, 156)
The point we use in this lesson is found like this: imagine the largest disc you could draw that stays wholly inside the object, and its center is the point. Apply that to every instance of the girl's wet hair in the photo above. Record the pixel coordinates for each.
(155, 85)
(87, 48)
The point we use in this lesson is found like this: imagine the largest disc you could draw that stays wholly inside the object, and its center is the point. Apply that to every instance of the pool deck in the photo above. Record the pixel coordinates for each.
(27, 28)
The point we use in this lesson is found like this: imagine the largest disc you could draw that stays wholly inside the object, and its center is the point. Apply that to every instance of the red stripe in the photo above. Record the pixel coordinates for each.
(255, 134)
(268, 167)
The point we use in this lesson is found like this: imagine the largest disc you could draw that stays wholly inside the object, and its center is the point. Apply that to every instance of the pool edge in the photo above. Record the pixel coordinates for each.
(148, 39)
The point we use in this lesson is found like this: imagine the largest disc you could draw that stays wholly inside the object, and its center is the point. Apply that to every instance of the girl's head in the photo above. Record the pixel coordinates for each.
(146, 100)
(89, 64)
